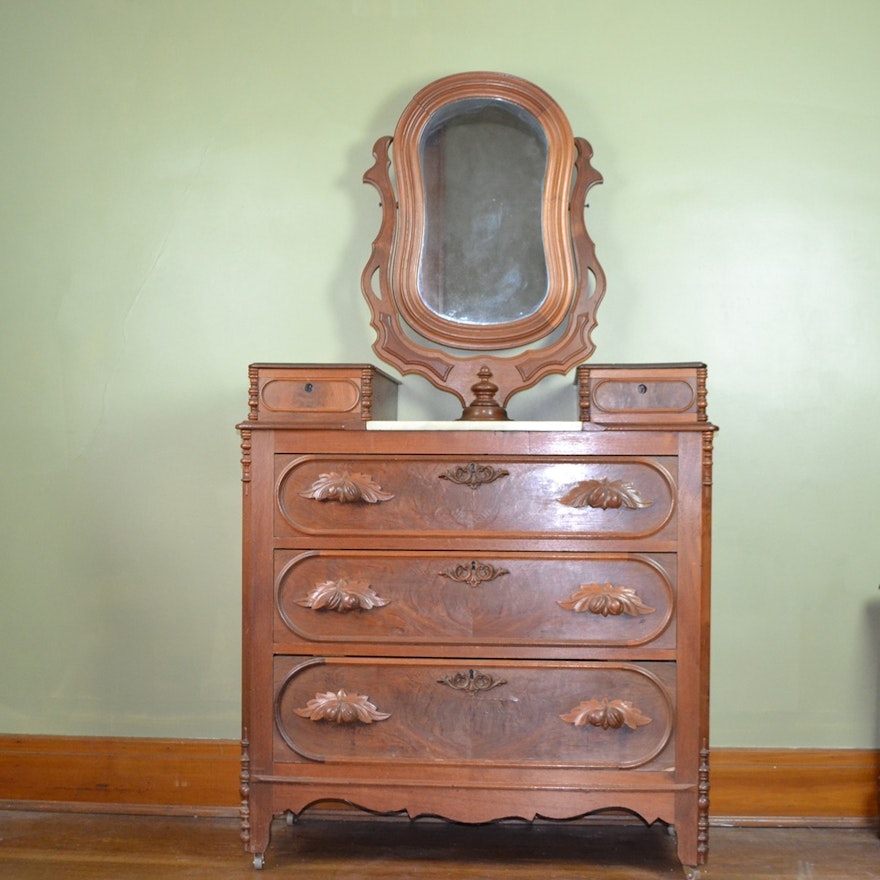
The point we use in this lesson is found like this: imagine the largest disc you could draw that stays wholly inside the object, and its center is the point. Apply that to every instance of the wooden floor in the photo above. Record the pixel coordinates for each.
(75, 846)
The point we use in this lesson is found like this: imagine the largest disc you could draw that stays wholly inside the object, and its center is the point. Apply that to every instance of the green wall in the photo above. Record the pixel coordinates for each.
(181, 196)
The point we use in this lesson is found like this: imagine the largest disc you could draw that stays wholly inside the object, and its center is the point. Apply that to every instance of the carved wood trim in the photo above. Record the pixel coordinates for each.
(346, 488)
(605, 494)
(606, 714)
(606, 599)
(341, 707)
(703, 806)
(473, 681)
(245, 790)
(473, 573)
(342, 596)
(367, 394)
(246, 446)
(473, 474)
(708, 440)
(702, 373)
(253, 393)
(584, 401)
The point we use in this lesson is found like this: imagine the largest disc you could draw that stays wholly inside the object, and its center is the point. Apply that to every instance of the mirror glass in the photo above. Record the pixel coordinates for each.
(484, 164)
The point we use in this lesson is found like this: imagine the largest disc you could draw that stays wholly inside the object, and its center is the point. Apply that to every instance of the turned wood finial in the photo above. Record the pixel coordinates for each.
(484, 407)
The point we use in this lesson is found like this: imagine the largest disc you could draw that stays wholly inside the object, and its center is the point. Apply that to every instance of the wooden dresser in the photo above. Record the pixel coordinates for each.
(477, 621)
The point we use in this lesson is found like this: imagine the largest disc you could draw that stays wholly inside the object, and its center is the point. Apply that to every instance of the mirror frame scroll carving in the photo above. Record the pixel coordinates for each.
(413, 338)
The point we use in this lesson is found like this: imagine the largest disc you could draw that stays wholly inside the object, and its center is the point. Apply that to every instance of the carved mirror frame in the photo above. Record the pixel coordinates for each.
(414, 338)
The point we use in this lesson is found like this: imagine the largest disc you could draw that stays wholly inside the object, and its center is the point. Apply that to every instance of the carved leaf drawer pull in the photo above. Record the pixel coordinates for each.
(606, 599)
(605, 494)
(473, 573)
(342, 707)
(342, 596)
(472, 681)
(606, 714)
(346, 488)
(473, 474)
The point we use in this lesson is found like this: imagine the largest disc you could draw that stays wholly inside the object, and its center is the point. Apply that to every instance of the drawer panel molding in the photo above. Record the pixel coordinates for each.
(602, 715)
(374, 600)
(401, 497)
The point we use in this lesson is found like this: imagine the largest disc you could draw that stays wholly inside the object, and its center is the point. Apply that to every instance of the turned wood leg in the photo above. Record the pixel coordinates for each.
(692, 829)
(257, 828)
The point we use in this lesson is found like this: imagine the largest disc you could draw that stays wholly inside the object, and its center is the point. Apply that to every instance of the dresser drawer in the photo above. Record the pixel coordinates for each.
(424, 497)
(642, 393)
(520, 713)
(309, 395)
(424, 600)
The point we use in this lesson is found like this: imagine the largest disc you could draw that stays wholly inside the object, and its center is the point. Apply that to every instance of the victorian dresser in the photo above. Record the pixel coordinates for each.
(477, 622)
(481, 619)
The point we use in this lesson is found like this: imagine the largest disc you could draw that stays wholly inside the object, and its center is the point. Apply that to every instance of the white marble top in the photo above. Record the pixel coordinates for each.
(473, 426)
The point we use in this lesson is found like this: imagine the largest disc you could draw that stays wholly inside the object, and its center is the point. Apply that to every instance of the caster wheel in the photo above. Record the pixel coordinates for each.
(259, 861)
(692, 873)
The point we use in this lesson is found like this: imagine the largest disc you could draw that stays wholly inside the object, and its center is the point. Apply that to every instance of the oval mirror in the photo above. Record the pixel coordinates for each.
(482, 245)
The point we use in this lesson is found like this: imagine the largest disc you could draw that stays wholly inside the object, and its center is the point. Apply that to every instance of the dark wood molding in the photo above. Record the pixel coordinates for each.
(829, 787)
(120, 774)
(795, 786)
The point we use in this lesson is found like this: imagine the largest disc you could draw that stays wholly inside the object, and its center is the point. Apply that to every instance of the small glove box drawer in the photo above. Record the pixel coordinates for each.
(637, 393)
(319, 395)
